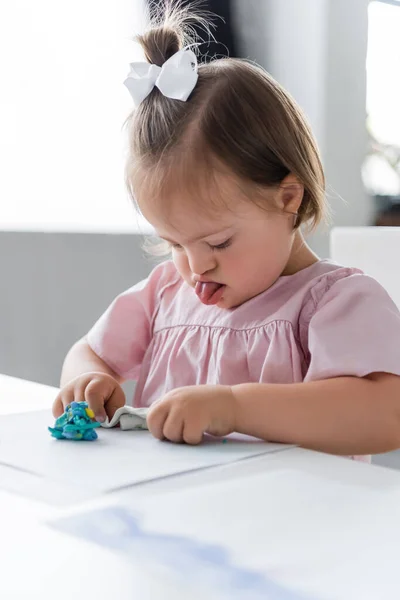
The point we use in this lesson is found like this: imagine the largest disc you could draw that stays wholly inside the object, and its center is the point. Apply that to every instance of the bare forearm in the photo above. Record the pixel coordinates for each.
(81, 359)
(345, 415)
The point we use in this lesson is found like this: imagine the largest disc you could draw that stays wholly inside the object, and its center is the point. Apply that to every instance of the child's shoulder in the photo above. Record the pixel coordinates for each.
(162, 279)
(165, 273)
(320, 277)
(327, 271)
(327, 284)
(308, 286)
(348, 324)
(163, 276)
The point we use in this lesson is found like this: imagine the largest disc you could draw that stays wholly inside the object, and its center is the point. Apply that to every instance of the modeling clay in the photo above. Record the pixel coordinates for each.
(76, 423)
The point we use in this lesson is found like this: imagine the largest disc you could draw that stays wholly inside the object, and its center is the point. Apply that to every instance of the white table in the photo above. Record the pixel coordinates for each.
(323, 525)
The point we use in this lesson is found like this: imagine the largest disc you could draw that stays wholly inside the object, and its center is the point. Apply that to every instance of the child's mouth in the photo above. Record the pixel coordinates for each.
(209, 292)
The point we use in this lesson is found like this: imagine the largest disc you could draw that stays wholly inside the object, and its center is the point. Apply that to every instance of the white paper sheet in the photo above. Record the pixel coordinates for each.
(311, 533)
(203, 570)
(117, 459)
(40, 563)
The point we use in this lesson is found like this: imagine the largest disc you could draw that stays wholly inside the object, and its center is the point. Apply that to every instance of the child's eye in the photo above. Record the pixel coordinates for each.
(222, 246)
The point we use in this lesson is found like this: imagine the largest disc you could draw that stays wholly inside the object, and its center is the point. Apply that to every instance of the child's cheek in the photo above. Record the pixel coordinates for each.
(181, 263)
(234, 261)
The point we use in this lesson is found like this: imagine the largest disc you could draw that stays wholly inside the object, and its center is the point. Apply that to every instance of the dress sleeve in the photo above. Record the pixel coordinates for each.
(354, 329)
(123, 333)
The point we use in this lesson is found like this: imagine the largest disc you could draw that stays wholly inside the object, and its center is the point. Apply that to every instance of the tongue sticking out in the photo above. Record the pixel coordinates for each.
(209, 292)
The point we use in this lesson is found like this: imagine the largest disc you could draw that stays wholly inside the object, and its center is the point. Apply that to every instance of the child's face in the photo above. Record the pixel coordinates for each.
(244, 249)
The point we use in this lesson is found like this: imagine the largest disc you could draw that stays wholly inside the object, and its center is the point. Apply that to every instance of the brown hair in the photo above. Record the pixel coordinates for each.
(238, 118)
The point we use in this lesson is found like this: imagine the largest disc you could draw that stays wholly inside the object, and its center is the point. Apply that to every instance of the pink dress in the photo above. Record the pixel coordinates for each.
(324, 321)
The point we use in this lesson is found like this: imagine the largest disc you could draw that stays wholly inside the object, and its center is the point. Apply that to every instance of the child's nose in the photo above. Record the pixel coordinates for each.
(201, 262)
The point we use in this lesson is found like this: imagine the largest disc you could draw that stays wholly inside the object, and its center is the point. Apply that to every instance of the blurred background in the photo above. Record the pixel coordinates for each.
(69, 239)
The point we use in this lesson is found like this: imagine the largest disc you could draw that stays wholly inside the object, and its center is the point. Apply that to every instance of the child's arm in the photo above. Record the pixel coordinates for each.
(81, 359)
(345, 415)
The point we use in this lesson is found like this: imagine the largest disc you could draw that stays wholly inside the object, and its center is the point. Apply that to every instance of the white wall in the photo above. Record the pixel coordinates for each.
(317, 50)
(287, 37)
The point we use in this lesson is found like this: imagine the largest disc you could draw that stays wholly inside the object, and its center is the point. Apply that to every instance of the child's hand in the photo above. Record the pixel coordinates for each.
(184, 414)
(102, 392)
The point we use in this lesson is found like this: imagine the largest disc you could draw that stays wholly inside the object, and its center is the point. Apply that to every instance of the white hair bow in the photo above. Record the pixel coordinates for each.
(175, 79)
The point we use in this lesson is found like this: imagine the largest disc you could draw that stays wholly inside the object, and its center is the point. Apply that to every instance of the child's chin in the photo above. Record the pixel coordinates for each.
(227, 303)
(223, 303)
(231, 302)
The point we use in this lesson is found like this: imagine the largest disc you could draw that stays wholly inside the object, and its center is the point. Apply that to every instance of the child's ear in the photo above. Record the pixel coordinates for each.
(290, 193)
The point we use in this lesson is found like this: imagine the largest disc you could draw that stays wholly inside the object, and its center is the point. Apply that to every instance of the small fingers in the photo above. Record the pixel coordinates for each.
(95, 396)
(173, 427)
(58, 408)
(192, 434)
(64, 397)
(115, 401)
(156, 418)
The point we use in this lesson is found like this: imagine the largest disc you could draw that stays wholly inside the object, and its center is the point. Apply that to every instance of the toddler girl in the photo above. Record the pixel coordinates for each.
(246, 329)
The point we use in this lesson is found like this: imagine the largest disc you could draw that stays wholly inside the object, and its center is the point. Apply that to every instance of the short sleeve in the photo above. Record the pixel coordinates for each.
(123, 333)
(354, 330)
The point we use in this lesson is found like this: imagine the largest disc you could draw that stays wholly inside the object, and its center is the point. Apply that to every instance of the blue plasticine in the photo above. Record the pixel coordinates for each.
(75, 424)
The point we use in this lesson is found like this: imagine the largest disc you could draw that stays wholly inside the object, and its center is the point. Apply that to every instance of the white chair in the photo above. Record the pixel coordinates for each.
(375, 250)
